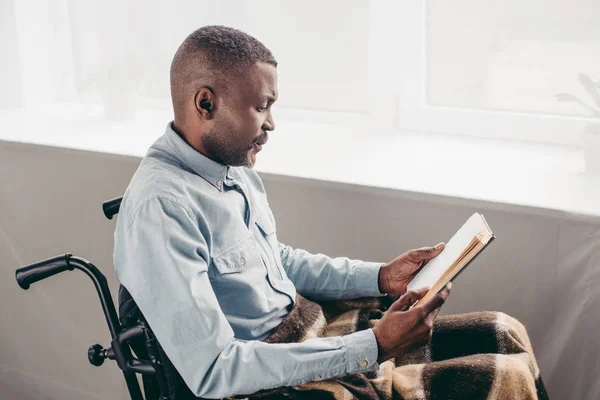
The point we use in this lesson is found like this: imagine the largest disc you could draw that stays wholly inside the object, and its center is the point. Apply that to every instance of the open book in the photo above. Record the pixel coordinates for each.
(470, 239)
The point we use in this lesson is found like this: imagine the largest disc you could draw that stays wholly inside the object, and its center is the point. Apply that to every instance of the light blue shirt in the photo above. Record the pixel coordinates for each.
(196, 246)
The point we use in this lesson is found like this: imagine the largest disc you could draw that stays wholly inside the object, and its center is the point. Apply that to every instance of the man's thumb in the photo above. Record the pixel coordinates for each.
(427, 253)
(409, 298)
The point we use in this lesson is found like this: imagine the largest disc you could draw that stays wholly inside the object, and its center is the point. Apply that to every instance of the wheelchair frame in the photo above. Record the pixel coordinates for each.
(119, 349)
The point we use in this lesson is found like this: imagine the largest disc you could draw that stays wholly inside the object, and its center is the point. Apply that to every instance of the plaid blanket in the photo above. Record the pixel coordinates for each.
(481, 355)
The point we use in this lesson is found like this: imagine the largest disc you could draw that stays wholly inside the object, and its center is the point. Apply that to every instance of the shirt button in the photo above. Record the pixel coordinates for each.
(318, 378)
(363, 363)
(242, 261)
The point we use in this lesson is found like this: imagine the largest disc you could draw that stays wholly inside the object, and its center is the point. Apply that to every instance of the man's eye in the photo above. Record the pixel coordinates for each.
(262, 109)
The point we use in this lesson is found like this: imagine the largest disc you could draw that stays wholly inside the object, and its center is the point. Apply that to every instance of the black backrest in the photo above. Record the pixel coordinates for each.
(166, 376)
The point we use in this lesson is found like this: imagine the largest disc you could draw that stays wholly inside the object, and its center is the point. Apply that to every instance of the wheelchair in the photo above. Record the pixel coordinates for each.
(129, 331)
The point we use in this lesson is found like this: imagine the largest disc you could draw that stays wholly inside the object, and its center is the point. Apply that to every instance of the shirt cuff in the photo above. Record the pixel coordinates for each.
(366, 279)
(361, 352)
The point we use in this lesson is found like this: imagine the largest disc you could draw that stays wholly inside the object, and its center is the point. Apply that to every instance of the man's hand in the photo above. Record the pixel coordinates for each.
(395, 275)
(402, 330)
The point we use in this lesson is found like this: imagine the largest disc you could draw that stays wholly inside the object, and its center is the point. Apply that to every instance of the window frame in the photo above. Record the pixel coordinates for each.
(414, 114)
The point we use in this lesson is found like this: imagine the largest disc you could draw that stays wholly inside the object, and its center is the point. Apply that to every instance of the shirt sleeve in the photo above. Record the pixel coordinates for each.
(323, 277)
(161, 258)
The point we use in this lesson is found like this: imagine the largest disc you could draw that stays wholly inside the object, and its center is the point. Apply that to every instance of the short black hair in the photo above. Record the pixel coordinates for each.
(211, 56)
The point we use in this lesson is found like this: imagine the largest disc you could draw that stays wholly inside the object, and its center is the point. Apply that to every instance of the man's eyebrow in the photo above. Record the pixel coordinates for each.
(270, 97)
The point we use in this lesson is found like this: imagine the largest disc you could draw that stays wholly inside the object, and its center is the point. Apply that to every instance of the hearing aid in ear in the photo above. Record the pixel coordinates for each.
(206, 105)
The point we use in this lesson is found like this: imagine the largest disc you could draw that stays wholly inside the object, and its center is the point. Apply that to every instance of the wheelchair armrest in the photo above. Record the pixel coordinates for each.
(122, 355)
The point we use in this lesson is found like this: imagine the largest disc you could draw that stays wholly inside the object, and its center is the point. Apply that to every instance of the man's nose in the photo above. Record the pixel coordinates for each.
(269, 124)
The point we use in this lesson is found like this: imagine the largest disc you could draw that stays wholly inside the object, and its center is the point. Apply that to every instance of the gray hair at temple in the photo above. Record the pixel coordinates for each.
(212, 56)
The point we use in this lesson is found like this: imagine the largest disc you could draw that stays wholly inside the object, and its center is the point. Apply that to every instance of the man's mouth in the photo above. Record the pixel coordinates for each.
(259, 143)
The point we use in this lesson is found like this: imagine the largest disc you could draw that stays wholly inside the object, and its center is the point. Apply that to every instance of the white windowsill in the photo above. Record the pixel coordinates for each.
(538, 178)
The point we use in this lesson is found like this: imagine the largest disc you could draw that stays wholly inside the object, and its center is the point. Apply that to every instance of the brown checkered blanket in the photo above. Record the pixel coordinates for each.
(481, 355)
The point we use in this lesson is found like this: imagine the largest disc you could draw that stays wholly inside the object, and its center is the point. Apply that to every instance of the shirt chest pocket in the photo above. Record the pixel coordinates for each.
(238, 257)
(271, 244)
(239, 282)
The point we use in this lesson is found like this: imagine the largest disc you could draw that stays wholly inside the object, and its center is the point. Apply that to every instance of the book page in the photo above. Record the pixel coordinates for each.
(453, 271)
(454, 248)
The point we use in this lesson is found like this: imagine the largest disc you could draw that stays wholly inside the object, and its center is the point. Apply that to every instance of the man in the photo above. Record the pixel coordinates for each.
(196, 244)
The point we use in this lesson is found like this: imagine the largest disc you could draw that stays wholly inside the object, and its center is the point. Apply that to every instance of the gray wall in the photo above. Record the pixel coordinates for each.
(542, 269)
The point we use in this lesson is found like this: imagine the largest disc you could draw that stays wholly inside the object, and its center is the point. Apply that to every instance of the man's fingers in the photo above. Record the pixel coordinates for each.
(446, 290)
(434, 314)
(438, 300)
(410, 297)
(427, 253)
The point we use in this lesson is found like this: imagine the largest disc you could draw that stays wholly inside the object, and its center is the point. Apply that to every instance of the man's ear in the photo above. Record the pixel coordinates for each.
(205, 102)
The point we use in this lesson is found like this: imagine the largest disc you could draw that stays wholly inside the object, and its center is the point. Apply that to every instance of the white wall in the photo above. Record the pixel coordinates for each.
(541, 269)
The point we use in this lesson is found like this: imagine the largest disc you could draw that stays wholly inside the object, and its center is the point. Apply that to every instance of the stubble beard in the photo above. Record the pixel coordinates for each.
(220, 150)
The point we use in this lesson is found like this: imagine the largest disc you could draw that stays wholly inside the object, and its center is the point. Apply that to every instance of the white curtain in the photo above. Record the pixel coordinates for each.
(94, 54)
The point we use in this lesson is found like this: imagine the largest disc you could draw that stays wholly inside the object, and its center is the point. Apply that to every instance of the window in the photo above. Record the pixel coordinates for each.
(486, 68)
(493, 68)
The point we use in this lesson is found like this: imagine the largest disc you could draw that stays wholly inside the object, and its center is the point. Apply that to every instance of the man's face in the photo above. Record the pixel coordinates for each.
(244, 118)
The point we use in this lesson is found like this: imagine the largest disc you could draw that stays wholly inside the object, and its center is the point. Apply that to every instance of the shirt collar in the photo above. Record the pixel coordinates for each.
(212, 171)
